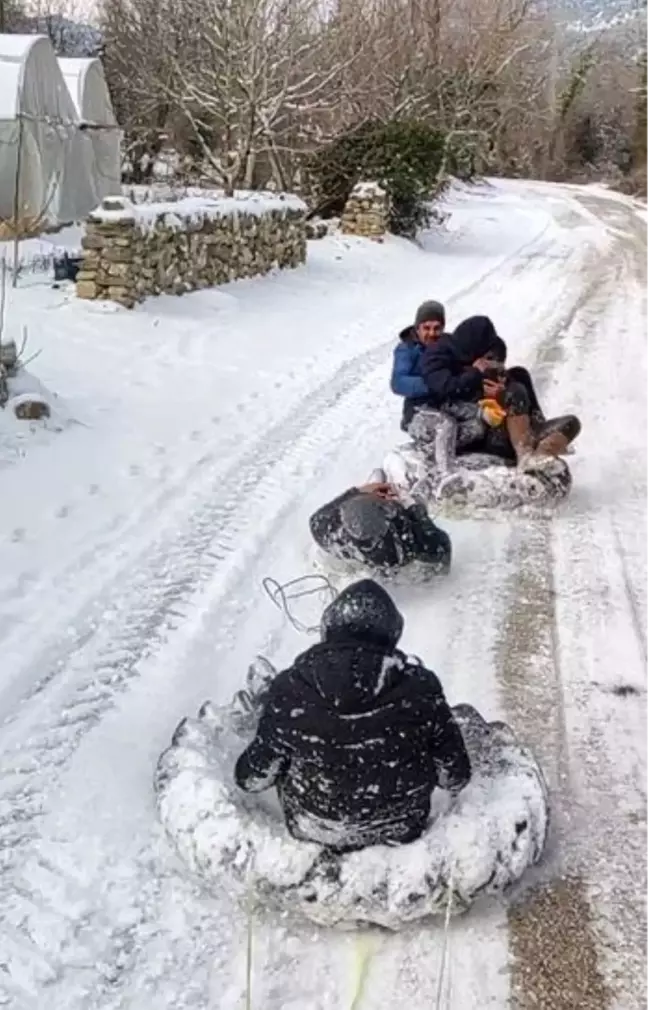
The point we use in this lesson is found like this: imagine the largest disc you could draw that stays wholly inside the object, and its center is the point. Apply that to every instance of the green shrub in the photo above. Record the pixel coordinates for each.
(402, 156)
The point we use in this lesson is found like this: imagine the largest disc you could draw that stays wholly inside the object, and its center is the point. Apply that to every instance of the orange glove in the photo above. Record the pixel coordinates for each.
(492, 412)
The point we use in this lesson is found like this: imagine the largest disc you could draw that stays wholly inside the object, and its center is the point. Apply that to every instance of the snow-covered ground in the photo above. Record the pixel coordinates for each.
(201, 432)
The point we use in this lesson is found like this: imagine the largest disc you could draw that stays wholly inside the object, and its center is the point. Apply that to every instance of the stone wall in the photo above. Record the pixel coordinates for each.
(131, 251)
(366, 212)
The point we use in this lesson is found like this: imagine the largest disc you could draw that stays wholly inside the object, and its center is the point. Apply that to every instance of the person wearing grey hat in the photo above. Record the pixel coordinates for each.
(370, 526)
(406, 377)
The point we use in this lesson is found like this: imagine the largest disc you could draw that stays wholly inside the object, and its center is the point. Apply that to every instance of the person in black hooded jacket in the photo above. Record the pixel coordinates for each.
(369, 525)
(356, 735)
(466, 368)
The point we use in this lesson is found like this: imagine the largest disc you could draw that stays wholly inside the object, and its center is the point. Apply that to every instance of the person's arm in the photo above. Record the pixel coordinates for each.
(444, 387)
(433, 544)
(265, 760)
(447, 747)
(403, 382)
(325, 523)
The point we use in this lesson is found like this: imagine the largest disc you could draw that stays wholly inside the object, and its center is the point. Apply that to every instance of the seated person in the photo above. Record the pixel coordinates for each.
(355, 735)
(406, 378)
(369, 525)
(496, 409)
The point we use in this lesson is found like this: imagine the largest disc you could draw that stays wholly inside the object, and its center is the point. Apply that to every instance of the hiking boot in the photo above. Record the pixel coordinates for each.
(554, 444)
(520, 433)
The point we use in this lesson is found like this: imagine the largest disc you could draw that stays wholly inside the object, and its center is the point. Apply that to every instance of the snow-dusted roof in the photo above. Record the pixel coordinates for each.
(15, 51)
(74, 73)
(86, 83)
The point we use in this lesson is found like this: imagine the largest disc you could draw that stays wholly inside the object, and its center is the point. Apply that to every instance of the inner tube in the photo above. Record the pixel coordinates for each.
(480, 844)
(476, 482)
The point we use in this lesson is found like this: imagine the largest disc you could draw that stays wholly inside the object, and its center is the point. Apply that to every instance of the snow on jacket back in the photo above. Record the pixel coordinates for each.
(355, 736)
(411, 536)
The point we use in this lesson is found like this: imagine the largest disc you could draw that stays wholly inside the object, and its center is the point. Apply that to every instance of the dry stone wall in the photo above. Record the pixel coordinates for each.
(366, 212)
(131, 251)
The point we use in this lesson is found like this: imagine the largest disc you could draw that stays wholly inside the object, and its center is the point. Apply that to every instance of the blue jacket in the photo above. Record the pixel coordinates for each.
(406, 377)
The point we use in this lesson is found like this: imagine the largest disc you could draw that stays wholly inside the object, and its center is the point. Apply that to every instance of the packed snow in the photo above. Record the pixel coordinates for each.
(200, 433)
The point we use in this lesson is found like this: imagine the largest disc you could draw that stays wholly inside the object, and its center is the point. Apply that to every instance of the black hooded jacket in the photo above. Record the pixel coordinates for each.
(446, 365)
(411, 536)
(355, 735)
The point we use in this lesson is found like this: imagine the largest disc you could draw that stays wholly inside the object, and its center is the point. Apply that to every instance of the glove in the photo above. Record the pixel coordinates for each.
(492, 413)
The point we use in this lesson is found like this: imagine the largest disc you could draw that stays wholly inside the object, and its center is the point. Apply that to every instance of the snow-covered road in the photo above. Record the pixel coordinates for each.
(134, 547)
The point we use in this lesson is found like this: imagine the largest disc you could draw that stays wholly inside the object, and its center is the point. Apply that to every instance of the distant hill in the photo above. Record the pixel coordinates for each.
(593, 15)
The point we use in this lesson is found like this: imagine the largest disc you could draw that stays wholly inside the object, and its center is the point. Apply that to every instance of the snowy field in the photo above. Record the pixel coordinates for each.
(197, 435)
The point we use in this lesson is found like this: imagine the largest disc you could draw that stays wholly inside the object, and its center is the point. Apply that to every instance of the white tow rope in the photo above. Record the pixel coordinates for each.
(249, 944)
(445, 947)
(364, 949)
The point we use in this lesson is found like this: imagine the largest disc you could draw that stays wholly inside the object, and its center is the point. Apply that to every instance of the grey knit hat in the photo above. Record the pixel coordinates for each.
(430, 312)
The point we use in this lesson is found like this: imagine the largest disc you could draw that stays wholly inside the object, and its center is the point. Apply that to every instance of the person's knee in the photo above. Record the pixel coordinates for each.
(571, 427)
(516, 399)
(519, 374)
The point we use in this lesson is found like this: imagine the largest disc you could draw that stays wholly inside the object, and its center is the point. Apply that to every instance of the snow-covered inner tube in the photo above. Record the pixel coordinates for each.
(476, 481)
(478, 845)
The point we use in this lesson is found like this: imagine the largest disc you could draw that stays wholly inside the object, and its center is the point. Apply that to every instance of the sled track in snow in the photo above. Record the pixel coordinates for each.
(92, 959)
(101, 661)
(131, 611)
(141, 604)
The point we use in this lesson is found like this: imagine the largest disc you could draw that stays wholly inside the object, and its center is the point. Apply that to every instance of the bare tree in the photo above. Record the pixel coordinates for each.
(246, 88)
(138, 35)
(253, 79)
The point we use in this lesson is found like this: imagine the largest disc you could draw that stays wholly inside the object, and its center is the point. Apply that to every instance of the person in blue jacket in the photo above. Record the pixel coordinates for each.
(406, 378)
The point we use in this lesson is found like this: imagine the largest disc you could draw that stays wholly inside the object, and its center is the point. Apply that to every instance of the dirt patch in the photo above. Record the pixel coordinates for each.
(554, 949)
(526, 655)
(553, 943)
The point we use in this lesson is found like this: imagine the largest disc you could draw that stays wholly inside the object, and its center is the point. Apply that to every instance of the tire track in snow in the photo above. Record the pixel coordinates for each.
(160, 593)
(139, 607)
(556, 940)
(109, 573)
(323, 430)
(600, 635)
(138, 531)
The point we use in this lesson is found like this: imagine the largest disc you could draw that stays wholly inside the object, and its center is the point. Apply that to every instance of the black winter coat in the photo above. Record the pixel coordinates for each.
(445, 365)
(412, 536)
(355, 736)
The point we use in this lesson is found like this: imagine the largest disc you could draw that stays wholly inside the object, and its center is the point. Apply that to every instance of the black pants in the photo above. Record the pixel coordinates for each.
(520, 398)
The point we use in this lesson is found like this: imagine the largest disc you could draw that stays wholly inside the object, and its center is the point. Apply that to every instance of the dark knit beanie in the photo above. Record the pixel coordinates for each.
(430, 312)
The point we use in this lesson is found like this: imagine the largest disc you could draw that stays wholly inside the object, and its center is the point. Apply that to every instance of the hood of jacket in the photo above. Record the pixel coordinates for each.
(474, 338)
(363, 612)
(350, 677)
(408, 336)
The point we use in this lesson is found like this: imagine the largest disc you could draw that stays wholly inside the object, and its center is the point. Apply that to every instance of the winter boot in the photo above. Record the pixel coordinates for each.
(445, 444)
(519, 431)
(554, 444)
